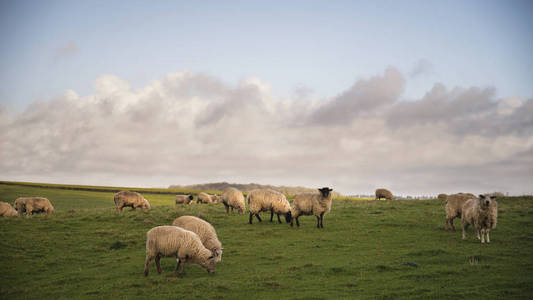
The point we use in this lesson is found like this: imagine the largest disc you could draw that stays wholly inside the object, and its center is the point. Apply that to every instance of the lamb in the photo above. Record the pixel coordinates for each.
(173, 241)
(232, 197)
(184, 199)
(6, 210)
(268, 200)
(33, 204)
(482, 213)
(130, 199)
(204, 198)
(205, 232)
(384, 193)
(312, 204)
(454, 207)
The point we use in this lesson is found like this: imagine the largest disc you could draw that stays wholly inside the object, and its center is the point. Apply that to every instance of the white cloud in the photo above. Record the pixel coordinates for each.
(189, 128)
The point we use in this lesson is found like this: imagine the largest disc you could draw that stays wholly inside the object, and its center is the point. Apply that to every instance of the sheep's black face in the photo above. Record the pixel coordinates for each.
(325, 191)
(288, 217)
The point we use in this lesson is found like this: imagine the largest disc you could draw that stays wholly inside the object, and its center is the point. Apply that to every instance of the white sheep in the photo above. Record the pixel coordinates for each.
(184, 199)
(232, 197)
(454, 207)
(173, 241)
(482, 213)
(204, 198)
(33, 204)
(6, 210)
(312, 204)
(268, 200)
(130, 199)
(205, 231)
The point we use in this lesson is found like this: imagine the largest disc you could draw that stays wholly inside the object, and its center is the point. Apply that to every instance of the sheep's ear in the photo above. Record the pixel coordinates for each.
(330, 190)
(493, 197)
(481, 196)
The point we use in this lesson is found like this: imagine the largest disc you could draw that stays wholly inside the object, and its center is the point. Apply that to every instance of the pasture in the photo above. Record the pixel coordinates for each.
(368, 249)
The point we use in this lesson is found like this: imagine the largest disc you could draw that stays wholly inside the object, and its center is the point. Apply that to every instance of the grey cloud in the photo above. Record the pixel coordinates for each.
(363, 97)
(422, 67)
(189, 128)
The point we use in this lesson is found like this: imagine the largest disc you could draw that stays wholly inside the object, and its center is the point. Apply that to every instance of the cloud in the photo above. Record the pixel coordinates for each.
(191, 127)
(422, 67)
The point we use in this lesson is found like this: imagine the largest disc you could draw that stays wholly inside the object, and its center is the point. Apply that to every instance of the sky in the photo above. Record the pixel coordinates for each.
(421, 97)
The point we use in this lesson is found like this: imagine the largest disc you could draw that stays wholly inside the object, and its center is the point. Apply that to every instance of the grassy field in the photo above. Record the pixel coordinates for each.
(368, 249)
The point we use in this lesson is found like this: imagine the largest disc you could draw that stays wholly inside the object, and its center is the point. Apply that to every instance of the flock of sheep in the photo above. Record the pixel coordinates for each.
(192, 240)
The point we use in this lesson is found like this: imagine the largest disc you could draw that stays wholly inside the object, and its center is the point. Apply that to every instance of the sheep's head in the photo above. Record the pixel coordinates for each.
(486, 200)
(209, 264)
(288, 216)
(217, 253)
(325, 191)
(191, 197)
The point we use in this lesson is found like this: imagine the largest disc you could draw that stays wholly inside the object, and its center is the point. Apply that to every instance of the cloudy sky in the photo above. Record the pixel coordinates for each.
(420, 97)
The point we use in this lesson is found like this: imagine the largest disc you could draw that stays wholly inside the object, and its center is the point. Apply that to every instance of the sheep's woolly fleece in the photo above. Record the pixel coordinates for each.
(198, 121)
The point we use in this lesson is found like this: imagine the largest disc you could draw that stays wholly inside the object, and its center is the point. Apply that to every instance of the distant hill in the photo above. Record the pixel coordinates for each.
(220, 186)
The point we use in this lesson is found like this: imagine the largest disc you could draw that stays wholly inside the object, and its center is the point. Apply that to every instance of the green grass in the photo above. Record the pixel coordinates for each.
(368, 249)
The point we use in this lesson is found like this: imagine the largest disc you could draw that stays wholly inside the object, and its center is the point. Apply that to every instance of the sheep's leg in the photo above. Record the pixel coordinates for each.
(29, 209)
(297, 222)
(478, 231)
(258, 218)
(158, 263)
(271, 214)
(251, 218)
(148, 259)
(446, 226)
(292, 223)
(322, 220)
(279, 220)
(465, 226)
(482, 235)
(232, 209)
(317, 221)
(227, 208)
(488, 238)
(177, 266)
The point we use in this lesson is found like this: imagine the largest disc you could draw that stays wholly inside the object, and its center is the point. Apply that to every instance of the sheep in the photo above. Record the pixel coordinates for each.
(268, 200)
(216, 198)
(173, 241)
(130, 199)
(6, 210)
(232, 197)
(33, 204)
(442, 196)
(204, 198)
(384, 193)
(205, 232)
(312, 204)
(184, 199)
(454, 207)
(482, 213)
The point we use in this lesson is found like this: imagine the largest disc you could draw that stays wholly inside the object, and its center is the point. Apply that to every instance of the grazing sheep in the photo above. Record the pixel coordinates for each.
(442, 196)
(268, 200)
(172, 241)
(184, 199)
(232, 197)
(33, 204)
(205, 231)
(216, 198)
(384, 193)
(482, 213)
(204, 198)
(130, 199)
(454, 207)
(6, 210)
(312, 204)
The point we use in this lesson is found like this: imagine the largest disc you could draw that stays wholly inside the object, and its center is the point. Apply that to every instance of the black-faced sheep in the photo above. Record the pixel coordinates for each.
(312, 204)
(205, 231)
(184, 199)
(33, 204)
(482, 213)
(232, 197)
(268, 200)
(173, 241)
(384, 193)
(454, 207)
(130, 199)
